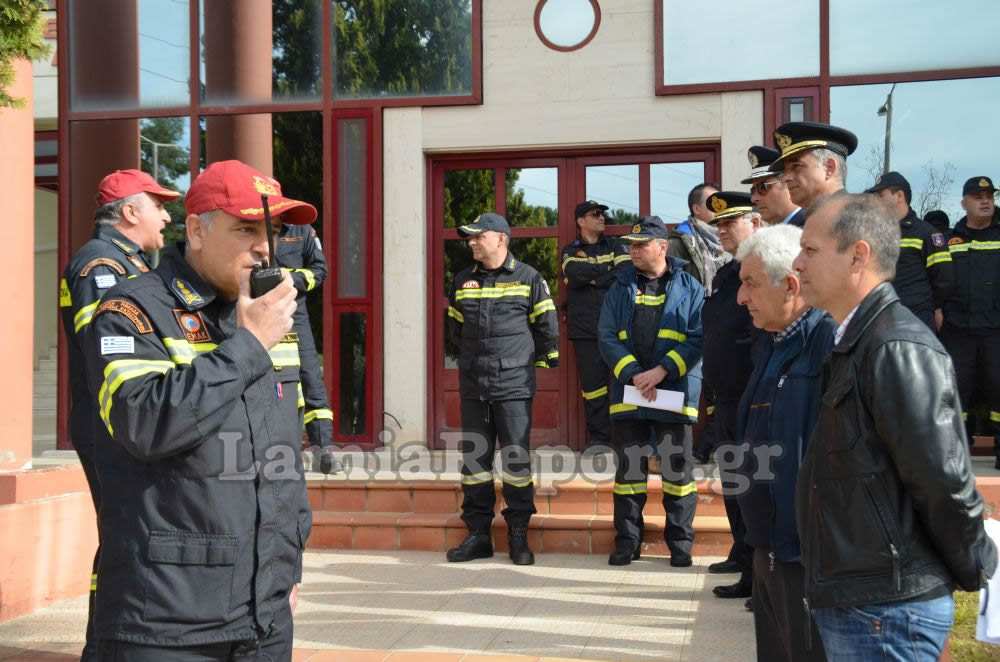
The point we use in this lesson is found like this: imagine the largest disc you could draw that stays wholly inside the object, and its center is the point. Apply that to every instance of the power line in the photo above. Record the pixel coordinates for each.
(169, 43)
(154, 73)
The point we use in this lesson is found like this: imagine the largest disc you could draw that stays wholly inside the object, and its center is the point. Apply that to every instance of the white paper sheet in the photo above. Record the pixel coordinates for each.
(988, 623)
(666, 400)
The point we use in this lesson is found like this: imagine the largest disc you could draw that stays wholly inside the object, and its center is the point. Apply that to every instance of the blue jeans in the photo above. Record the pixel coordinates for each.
(914, 631)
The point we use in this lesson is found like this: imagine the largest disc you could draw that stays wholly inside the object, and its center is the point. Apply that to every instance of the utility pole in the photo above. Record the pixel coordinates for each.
(886, 111)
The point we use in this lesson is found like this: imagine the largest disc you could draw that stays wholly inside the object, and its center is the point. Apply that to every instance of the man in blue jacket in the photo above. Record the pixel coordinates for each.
(776, 416)
(650, 336)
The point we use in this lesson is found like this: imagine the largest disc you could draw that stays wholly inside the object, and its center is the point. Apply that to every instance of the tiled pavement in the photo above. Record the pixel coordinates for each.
(407, 606)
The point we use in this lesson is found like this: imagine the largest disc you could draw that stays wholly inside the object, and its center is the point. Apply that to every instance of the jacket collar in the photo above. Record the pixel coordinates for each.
(629, 273)
(116, 239)
(962, 227)
(910, 217)
(182, 280)
(509, 264)
(869, 308)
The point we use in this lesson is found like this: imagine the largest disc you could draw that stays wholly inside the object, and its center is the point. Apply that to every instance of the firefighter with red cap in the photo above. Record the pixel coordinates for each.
(130, 218)
(204, 514)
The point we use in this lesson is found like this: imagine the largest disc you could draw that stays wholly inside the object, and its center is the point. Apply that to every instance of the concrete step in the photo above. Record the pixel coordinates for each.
(547, 534)
(44, 403)
(45, 377)
(982, 446)
(48, 365)
(44, 390)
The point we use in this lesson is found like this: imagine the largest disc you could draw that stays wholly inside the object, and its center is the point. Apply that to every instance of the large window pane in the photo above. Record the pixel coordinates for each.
(253, 57)
(931, 35)
(165, 149)
(352, 207)
(353, 374)
(616, 186)
(943, 132)
(467, 194)
(543, 255)
(698, 47)
(669, 184)
(402, 48)
(532, 197)
(128, 54)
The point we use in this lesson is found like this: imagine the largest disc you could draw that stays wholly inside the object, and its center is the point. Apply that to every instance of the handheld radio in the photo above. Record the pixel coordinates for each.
(264, 278)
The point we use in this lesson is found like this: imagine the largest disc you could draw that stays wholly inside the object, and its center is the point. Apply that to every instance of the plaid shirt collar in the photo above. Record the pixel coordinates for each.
(790, 330)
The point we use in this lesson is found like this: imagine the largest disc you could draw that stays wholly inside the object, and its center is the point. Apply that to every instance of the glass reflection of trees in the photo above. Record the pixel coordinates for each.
(469, 193)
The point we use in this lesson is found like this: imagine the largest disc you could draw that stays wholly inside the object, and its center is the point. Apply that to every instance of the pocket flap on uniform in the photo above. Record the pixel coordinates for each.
(514, 362)
(836, 394)
(191, 548)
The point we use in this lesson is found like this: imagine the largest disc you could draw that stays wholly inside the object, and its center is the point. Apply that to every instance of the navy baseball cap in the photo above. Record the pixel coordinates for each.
(483, 223)
(977, 184)
(891, 179)
(648, 227)
(584, 207)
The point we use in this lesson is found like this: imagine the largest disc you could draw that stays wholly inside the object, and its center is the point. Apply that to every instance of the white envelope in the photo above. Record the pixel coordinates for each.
(666, 400)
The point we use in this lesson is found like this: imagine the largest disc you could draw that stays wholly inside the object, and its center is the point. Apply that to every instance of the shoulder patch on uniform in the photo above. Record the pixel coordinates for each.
(102, 262)
(937, 239)
(138, 263)
(117, 345)
(122, 245)
(104, 281)
(470, 285)
(129, 310)
(65, 298)
(956, 240)
(186, 293)
(193, 325)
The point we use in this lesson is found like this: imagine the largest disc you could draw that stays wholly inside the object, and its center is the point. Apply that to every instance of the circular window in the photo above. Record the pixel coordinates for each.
(566, 25)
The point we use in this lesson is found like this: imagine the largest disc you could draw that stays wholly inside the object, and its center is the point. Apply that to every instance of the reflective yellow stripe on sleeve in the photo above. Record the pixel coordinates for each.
(456, 315)
(622, 258)
(118, 372)
(541, 307)
(284, 354)
(84, 315)
(912, 243)
(301, 403)
(620, 407)
(309, 276)
(318, 415)
(995, 416)
(624, 361)
(676, 358)
(673, 335)
(623, 335)
(181, 351)
(937, 258)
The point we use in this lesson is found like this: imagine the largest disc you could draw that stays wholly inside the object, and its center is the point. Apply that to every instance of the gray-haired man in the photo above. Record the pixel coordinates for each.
(886, 502)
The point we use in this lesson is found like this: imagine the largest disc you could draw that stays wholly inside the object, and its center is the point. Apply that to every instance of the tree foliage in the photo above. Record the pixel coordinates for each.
(170, 163)
(402, 47)
(22, 30)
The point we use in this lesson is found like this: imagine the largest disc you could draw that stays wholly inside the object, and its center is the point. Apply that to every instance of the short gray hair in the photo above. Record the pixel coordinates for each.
(822, 154)
(776, 246)
(865, 218)
(206, 218)
(110, 214)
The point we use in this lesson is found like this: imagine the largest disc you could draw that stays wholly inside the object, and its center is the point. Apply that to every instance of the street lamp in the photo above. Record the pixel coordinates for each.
(886, 111)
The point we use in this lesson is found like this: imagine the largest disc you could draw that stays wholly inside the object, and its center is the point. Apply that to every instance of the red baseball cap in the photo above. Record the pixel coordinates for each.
(235, 188)
(123, 183)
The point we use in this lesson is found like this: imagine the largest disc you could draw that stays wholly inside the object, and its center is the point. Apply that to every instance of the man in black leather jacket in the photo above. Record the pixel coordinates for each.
(888, 513)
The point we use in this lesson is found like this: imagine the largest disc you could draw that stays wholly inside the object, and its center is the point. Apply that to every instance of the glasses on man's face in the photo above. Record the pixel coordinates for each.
(596, 213)
(761, 188)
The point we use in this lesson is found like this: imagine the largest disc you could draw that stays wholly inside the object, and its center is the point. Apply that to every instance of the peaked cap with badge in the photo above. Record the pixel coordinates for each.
(648, 227)
(794, 137)
(586, 206)
(760, 159)
(483, 223)
(726, 204)
(977, 184)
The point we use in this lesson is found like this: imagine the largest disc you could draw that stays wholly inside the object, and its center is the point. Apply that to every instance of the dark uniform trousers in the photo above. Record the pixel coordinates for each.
(726, 417)
(632, 450)
(274, 647)
(483, 422)
(594, 378)
(318, 415)
(977, 369)
(784, 629)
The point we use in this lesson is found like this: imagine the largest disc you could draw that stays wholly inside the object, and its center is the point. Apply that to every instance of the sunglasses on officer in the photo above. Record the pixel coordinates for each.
(760, 188)
(596, 213)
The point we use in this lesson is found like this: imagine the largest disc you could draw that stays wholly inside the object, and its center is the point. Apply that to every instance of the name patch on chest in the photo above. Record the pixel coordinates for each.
(471, 285)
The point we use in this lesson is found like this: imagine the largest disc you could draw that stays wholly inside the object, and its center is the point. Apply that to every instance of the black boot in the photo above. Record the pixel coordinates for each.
(680, 558)
(625, 552)
(475, 546)
(517, 539)
(327, 464)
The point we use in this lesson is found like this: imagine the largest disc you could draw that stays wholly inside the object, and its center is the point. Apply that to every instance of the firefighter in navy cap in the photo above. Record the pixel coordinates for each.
(130, 218)
(204, 515)
(767, 192)
(502, 315)
(589, 267)
(650, 336)
(971, 330)
(924, 273)
(813, 161)
(299, 250)
(729, 333)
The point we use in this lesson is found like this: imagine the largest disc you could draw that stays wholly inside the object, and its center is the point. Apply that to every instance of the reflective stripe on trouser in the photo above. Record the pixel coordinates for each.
(319, 429)
(482, 424)
(594, 376)
(632, 450)
(87, 461)
(977, 371)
